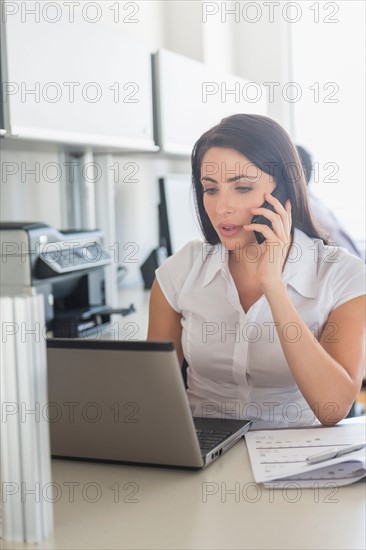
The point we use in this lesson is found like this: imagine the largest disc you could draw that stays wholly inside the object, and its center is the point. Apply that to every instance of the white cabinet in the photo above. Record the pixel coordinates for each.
(76, 83)
(192, 97)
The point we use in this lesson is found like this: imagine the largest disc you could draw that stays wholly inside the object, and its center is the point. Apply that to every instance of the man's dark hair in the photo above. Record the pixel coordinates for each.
(306, 161)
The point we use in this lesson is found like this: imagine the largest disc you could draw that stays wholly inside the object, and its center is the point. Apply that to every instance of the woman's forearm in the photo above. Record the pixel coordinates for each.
(325, 384)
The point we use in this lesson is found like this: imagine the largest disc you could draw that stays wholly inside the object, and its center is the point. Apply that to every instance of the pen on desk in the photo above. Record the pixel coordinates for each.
(333, 453)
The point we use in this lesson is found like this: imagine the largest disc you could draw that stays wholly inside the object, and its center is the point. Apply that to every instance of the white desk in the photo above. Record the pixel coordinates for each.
(173, 509)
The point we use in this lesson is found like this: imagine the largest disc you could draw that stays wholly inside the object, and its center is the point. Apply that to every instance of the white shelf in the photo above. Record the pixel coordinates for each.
(77, 83)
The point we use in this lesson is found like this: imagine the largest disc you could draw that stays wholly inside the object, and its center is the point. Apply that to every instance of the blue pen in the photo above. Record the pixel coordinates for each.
(334, 453)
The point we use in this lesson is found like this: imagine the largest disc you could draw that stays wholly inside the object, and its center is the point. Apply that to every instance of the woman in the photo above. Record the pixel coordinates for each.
(271, 331)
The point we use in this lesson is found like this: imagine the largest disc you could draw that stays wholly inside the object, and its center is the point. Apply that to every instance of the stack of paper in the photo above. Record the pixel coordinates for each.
(25, 447)
(278, 457)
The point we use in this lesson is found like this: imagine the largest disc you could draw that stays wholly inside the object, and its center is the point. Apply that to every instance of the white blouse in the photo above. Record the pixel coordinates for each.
(236, 364)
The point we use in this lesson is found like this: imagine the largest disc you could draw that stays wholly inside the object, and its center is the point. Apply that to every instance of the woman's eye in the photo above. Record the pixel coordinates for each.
(210, 190)
(243, 189)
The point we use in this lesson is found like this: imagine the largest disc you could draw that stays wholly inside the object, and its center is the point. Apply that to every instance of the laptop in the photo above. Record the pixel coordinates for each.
(125, 401)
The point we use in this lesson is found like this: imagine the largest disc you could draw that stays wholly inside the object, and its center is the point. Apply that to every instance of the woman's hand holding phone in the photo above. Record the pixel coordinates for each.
(273, 223)
(280, 193)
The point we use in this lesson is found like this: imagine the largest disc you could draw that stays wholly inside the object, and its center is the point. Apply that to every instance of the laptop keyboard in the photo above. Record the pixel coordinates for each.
(209, 439)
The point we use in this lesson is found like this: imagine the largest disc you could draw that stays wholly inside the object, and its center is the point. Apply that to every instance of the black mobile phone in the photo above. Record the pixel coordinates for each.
(280, 192)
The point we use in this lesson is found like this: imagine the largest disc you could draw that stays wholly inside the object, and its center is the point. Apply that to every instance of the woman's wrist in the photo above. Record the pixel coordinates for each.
(274, 287)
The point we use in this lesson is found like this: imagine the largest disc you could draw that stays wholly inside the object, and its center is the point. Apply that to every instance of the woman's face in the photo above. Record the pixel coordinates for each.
(232, 185)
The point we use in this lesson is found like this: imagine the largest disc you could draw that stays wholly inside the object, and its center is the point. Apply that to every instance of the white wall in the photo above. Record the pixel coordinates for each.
(262, 55)
(183, 28)
(330, 118)
(30, 184)
(137, 209)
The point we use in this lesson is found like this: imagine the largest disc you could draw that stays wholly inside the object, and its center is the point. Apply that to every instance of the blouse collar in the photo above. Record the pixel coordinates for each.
(300, 270)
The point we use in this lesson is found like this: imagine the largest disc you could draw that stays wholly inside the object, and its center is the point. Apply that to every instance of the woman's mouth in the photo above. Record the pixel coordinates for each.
(229, 229)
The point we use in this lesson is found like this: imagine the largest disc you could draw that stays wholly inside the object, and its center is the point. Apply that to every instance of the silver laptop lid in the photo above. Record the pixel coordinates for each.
(124, 401)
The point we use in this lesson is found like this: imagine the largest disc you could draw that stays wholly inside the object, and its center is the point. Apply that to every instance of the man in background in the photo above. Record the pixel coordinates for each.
(323, 215)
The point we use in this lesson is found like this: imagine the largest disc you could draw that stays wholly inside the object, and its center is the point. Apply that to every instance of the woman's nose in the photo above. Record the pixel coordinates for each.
(225, 203)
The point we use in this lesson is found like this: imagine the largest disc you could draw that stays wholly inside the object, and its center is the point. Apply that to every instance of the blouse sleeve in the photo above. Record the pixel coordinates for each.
(349, 279)
(173, 272)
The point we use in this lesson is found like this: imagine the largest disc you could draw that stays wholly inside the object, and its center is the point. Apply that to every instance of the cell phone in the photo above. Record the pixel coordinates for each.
(280, 193)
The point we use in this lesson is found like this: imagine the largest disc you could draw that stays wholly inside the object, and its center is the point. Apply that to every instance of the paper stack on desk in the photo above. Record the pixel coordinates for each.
(278, 457)
(25, 449)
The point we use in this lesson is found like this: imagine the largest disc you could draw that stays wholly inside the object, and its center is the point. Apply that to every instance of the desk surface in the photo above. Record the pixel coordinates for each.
(220, 507)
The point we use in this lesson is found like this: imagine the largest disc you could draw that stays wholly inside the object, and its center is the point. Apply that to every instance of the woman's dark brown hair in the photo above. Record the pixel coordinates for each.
(268, 146)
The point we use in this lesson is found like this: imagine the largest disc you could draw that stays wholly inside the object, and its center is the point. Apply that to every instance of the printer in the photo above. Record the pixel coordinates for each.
(67, 267)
